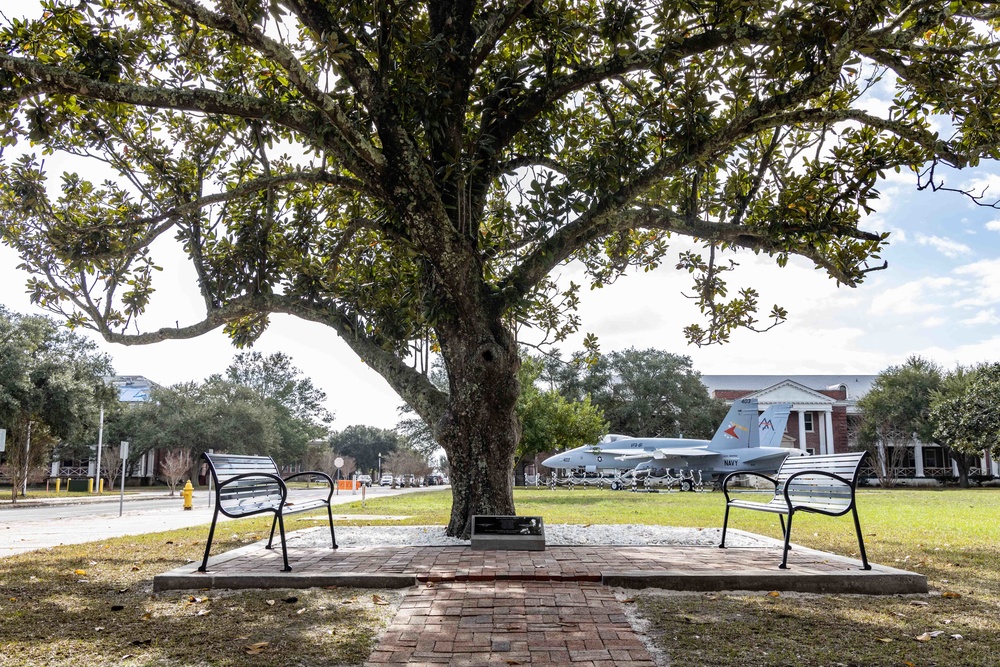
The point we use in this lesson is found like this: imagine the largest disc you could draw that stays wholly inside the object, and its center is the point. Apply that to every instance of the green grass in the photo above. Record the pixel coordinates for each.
(50, 615)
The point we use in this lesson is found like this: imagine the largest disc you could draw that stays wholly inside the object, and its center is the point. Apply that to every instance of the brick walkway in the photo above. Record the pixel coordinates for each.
(511, 623)
(552, 607)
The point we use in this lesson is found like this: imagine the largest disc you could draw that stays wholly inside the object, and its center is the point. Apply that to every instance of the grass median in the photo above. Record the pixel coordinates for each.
(93, 602)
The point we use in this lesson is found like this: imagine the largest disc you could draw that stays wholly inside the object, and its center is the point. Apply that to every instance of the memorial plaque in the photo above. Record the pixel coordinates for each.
(511, 533)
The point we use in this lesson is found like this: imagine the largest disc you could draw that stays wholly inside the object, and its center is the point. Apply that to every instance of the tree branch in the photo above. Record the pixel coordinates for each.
(239, 27)
(51, 79)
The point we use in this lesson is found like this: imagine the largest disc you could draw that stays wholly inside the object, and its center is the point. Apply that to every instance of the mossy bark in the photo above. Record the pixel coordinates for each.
(480, 429)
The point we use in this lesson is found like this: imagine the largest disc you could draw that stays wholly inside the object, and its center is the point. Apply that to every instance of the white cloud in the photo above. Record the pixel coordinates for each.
(993, 225)
(985, 278)
(912, 298)
(988, 316)
(969, 354)
(946, 247)
(935, 321)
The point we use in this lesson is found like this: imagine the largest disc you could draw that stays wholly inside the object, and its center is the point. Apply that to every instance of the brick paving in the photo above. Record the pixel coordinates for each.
(554, 607)
(511, 623)
(564, 563)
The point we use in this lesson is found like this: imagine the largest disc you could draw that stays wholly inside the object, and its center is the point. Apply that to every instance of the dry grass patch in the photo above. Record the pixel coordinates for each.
(93, 604)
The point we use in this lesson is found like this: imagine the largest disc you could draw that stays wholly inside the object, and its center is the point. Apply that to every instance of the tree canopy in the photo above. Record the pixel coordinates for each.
(550, 421)
(198, 416)
(644, 393)
(364, 444)
(411, 174)
(966, 413)
(52, 384)
(896, 410)
(298, 405)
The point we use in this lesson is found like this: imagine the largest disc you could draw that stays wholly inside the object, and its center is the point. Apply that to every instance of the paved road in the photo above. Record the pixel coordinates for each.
(48, 524)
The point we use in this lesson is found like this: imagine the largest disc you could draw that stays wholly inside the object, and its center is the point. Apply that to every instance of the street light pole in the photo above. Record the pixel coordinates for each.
(380, 467)
(100, 444)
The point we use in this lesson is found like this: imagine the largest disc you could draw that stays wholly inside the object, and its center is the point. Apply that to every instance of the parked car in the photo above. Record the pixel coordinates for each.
(386, 479)
(364, 479)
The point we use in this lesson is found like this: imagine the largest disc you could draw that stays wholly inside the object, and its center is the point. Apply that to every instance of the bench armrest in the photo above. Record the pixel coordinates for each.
(822, 473)
(315, 473)
(733, 475)
(254, 475)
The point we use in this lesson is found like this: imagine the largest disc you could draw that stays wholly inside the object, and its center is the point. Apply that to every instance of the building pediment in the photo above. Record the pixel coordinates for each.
(789, 391)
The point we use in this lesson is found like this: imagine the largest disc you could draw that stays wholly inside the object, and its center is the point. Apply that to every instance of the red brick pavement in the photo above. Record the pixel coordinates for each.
(511, 623)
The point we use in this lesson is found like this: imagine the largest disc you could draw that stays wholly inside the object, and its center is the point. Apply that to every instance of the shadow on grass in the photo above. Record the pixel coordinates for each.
(93, 603)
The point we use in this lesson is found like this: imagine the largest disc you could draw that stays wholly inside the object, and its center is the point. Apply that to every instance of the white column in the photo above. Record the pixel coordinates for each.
(918, 457)
(802, 430)
(828, 429)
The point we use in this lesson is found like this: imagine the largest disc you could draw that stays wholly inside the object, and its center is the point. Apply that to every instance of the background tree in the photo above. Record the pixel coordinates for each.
(175, 465)
(111, 464)
(52, 383)
(895, 411)
(406, 462)
(299, 413)
(966, 415)
(412, 174)
(643, 393)
(364, 444)
(215, 414)
(551, 422)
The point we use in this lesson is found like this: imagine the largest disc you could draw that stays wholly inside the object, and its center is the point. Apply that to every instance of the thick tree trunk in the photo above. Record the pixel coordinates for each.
(480, 429)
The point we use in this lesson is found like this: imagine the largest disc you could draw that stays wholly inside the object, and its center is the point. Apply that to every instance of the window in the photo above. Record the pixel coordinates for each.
(810, 426)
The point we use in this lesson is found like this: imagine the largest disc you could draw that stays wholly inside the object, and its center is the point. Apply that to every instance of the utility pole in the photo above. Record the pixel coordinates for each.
(100, 444)
(27, 462)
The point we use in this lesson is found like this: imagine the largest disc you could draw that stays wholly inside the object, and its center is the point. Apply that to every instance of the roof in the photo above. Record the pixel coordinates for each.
(856, 385)
(133, 388)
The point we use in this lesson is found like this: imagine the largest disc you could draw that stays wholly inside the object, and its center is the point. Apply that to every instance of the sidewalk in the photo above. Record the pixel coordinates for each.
(20, 531)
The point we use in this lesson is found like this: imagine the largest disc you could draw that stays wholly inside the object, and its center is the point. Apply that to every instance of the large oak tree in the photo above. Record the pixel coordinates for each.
(410, 173)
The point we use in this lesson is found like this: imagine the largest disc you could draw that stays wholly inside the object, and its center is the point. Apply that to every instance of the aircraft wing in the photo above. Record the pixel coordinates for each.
(623, 454)
(671, 453)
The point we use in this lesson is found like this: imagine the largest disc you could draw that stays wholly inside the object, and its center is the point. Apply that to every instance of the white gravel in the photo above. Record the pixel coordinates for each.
(555, 534)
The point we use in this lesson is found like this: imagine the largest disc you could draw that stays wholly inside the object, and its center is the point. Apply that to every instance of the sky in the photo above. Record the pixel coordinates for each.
(939, 298)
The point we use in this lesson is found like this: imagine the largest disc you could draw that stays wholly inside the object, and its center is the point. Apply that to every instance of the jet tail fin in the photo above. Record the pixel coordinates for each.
(739, 429)
(772, 424)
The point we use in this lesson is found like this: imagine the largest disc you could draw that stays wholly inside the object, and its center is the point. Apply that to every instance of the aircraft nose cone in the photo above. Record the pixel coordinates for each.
(551, 461)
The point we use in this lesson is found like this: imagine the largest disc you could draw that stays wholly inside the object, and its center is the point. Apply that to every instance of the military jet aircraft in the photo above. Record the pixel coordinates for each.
(736, 445)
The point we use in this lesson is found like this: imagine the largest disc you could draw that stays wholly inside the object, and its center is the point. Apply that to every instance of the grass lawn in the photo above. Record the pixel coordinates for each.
(92, 603)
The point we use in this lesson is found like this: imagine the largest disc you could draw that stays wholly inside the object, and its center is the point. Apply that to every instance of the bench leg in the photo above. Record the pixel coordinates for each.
(208, 547)
(725, 524)
(270, 540)
(788, 536)
(781, 520)
(333, 535)
(861, 541)
(284, 547)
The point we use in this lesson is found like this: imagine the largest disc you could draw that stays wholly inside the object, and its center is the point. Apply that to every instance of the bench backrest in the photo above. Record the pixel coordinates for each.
(226, 466)
(820, 490)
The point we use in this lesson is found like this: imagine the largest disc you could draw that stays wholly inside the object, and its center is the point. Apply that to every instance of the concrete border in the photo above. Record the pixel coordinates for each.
(185, 580)
(870, 582)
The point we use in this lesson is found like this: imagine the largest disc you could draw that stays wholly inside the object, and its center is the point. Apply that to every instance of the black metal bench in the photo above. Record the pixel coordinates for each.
(823, 484)
(248, 485)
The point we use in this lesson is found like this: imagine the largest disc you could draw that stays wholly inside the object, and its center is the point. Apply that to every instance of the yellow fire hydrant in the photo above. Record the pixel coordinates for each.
(188, 494)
